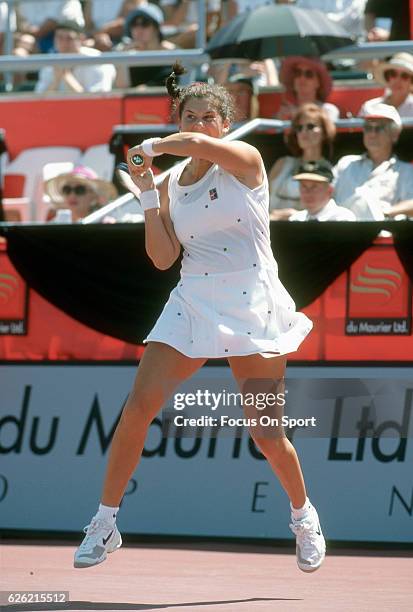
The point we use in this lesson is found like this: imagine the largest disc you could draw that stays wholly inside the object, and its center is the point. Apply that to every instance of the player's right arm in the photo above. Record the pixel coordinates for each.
(161, 243)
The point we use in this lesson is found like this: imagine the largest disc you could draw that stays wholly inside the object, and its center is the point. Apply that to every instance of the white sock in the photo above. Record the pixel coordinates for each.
(299, 513)
(107, 513)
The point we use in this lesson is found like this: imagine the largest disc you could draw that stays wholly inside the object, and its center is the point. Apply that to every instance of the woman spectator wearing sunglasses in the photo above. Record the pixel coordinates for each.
(81, 191)
(310, 139)
(305, 80)
(397, 76)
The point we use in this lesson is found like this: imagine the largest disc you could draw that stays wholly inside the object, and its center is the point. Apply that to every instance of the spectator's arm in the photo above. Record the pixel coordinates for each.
(402, 208)
(175, 14)
(271, 73)
(114, 28)
(122, 77)
(72, 82)
(219, 71)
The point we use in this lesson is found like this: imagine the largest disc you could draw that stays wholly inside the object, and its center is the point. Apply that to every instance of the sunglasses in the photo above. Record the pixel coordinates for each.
(308, 127)
(142, 23)
(393, 74)
(307, 73)
(375, 128)
(78, 190)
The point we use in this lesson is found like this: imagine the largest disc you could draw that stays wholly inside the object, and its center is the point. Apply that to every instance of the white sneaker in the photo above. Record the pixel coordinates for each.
(310, 543)
(101, 538)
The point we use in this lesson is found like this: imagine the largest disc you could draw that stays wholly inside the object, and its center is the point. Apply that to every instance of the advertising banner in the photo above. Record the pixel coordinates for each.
(351, 427)
(14, 296)
(379, 295)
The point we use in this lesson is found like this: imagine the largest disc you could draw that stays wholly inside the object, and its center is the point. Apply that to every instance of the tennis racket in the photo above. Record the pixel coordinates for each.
(125, 178)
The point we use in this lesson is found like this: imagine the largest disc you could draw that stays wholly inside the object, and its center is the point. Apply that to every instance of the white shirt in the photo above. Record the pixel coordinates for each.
(93, 78)
(369, 191)
(332, 111)
(330, 212)
(37, 13)
(404, 110)
(349, 14)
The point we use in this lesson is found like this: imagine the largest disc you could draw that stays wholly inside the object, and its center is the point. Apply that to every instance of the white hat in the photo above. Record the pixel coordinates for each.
(402, 61)
(379, 110)
(105, 190)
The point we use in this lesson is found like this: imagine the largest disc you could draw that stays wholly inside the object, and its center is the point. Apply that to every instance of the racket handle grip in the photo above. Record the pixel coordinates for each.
(137, 160)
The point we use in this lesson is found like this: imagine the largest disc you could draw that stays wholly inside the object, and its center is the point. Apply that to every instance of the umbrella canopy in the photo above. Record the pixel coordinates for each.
(277, 31)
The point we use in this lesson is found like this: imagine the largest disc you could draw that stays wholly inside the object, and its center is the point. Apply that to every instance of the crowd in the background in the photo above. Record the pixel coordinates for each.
(139, 25)
(372, 186)
(303, 185)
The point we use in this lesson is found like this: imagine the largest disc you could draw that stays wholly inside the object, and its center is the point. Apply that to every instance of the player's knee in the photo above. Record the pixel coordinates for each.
(275, 448)
(141, 405)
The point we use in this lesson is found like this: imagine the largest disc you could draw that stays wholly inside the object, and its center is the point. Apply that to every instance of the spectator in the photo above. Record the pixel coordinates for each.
(349, 14)
(264, 72)
(310, 139)
(80, 191)
(93, 78)
(41, 19)
(397, 75)
(316, 194)
(105, 20)
(183, 16)
(143, 31)
(395, 10)
(305, 80)
(376, 184)
(245, 93)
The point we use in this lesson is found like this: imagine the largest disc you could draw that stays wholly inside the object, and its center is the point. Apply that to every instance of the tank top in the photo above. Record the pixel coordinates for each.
(222, 224)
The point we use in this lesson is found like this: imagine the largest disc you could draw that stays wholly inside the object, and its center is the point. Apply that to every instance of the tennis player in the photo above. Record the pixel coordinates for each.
(229, 302)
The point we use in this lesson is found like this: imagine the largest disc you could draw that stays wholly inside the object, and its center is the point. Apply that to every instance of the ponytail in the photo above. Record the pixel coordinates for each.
(171, 85)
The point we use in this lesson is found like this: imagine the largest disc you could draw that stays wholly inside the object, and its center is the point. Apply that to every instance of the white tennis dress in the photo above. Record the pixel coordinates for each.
(229, 300)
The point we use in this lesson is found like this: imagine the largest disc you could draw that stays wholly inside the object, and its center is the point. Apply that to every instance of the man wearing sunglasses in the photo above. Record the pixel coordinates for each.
(376, 184)
(397, 76)
(316, 194)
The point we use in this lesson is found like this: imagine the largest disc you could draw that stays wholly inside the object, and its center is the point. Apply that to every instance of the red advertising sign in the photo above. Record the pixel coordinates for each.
(379, 295)
(13, 299)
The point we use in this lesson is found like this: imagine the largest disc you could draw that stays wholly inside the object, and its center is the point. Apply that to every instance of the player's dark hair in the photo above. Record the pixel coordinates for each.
(217, 95)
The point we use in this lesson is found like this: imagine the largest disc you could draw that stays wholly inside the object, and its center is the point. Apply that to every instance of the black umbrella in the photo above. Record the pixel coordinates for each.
(277, 31)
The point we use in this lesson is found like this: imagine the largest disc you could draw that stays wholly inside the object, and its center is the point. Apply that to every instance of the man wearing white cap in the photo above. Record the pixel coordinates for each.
(376, 184)
(397, 76)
